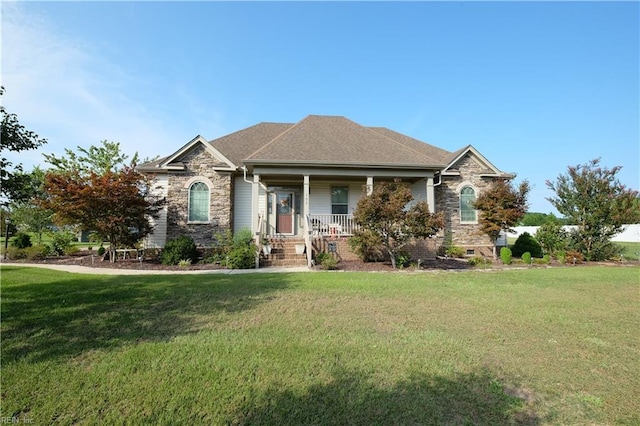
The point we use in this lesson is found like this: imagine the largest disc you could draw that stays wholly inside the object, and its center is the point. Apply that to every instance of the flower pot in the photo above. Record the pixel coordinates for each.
(266, 249)
(300, 248)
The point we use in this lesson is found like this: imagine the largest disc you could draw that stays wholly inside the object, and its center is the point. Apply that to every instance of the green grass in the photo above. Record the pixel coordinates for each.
(631, 250)
(535, 346)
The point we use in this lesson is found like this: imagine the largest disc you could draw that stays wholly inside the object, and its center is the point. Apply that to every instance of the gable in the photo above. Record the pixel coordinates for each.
(468, 154)
(197, 146)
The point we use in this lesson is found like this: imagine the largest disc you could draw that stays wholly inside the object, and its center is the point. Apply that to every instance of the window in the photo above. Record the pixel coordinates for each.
(339, 200)
(467, 212)
(199, 202)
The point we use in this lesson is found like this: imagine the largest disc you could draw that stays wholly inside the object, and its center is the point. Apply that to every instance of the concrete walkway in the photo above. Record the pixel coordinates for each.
(116, 271)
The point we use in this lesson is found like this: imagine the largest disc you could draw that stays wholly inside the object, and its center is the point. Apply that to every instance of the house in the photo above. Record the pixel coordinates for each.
(302, 181)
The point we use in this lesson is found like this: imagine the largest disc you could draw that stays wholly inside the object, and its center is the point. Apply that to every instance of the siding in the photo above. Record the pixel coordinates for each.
(241, 204)
(158, 237)
(320, 196)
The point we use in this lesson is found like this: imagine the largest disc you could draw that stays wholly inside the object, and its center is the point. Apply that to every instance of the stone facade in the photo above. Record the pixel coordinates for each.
(199, 168)
(465, 235)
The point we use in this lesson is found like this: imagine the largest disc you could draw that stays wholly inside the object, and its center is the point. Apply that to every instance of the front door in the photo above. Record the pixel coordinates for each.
(284, 213)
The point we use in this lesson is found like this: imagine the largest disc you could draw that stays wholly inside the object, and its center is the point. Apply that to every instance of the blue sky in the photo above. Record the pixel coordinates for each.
(534, 86)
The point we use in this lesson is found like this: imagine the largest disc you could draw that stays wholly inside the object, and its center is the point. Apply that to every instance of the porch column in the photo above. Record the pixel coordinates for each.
(255, 191)
(369, 185)
(305, 198)
(431, 195)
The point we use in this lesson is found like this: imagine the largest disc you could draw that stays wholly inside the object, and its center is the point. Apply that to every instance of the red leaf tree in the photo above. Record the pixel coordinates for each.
(116, 204)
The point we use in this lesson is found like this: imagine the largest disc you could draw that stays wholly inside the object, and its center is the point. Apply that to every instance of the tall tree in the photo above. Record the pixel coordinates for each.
(109, 198)
(14, 137)
(501, 207)
(597, 202)
(28, 215)
(385, 213)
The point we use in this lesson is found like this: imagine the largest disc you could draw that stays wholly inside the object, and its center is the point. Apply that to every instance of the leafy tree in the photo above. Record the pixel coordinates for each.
(538, 219)
(597, 202)
(552, 237)
(501, 207)
(525, 243)
(97, 159)
(107, 197)
(14, 137)
(385, 213)
(28, 215)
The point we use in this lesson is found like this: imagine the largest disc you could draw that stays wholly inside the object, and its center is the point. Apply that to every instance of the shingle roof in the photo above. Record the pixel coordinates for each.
(337, 140)
(241, 144)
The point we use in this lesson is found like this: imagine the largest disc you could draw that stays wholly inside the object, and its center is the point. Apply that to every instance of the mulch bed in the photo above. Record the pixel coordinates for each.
(344, 265)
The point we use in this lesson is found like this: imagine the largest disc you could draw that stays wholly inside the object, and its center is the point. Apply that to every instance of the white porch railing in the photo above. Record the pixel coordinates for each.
(332, 224)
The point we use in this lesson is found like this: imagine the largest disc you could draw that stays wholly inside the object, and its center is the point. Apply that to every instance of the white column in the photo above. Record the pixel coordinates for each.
(255, 191)
(431, 195)
(369, 185)
(305, 198)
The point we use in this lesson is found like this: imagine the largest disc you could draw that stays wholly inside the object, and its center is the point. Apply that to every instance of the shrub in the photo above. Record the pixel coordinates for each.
(21, 240)
(15, 253)
(71, 250)
(243, 237)
(61, 241)
(181, 248)
(526, 258)
(330, 263)
(454, 251)
(242, 257)
(545, 260)
(101, 250)
(526, 243)
(552, 237)
(38, 252)
(184, 263)
(479, 261)
(403, 258)
(368, 246)
(321, 256)
(505, 255)
(574, 257)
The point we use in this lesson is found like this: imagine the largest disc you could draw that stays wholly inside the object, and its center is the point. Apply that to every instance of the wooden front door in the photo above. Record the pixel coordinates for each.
(284, 212)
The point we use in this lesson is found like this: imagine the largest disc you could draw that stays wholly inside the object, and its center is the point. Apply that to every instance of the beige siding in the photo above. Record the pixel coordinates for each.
(241, 204)
(158, 237)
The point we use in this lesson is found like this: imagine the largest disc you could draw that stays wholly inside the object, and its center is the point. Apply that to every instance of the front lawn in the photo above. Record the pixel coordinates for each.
(531, 346)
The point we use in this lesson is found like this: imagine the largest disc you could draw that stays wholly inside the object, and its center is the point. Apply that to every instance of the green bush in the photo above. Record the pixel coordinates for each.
(38, 252)
(321, 256)
(330, 263)
(526, 243)
(454, 251)
(181, 248)
(505, 255)
(21, 240)
(242, 257)
(368, 246)
(552, 237)
(71, 250)
(403, 258)
(101, 250)
(526, 258)
(61, 241)
(15, 253)
(544, 261)
(479, 261)
(243, 237)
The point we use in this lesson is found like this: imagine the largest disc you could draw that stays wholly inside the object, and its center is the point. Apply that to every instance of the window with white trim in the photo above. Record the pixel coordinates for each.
(199, 202)
(467, 198)
(339, 200)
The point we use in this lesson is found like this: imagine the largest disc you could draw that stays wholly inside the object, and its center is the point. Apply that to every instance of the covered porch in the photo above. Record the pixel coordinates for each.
(316, 205)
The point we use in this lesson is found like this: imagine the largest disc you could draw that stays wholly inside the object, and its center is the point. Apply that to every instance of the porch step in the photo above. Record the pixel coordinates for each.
(283, 253)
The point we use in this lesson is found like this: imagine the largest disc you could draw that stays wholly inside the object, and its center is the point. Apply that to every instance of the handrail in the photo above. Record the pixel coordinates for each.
(258, 239)
(307, 240)
(332, 224)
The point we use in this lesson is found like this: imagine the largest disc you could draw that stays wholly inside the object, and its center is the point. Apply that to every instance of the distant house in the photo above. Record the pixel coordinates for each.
(303, 180)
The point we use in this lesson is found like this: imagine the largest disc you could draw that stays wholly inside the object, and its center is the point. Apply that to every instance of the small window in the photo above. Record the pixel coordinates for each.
(339, 200)
(199, 202)
(471, 252)
(467, 198)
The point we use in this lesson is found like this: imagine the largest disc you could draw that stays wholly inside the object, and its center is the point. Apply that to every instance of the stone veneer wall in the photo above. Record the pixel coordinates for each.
(199, 162)
(467, 236)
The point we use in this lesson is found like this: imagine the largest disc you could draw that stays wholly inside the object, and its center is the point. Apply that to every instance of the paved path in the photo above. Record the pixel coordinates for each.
(116, 271)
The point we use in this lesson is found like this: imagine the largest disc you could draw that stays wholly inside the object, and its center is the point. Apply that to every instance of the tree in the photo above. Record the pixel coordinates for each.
(593, 198)
(552, 237)
(97, 159)
(538, 219)
(385, 213)
(114, 201)
(14, 137)
(501, 207)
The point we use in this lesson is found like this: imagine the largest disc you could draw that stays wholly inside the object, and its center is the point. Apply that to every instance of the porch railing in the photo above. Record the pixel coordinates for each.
(332, 224)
